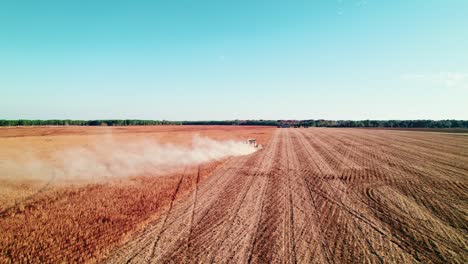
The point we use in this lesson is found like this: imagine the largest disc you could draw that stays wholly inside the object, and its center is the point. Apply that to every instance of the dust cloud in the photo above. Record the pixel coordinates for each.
(111, 158)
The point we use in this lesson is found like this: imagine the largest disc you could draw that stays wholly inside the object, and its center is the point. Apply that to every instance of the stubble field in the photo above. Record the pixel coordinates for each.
(317, 195)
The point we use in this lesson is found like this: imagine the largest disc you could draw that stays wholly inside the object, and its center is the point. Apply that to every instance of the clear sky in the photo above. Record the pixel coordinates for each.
(199, 60)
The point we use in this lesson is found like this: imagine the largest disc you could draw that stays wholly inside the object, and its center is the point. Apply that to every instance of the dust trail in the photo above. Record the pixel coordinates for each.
(110, 158)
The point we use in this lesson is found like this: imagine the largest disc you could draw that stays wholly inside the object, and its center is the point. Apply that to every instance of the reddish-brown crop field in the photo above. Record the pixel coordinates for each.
(317, 195)
(43, 219)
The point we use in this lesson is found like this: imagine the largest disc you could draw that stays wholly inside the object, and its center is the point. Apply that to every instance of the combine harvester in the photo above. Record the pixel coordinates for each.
(253, 142)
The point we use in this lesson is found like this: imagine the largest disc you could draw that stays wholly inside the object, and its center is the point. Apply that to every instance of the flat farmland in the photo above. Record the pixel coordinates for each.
(432, 130)
(317, 195)
(321, 196)
(53, 214)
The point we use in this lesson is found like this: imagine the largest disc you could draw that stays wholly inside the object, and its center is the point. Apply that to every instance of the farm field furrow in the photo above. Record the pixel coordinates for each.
(321, 196)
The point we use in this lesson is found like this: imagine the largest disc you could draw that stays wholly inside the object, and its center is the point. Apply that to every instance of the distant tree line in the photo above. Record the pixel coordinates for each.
(386, 123)
(68, 122)
(293, 123)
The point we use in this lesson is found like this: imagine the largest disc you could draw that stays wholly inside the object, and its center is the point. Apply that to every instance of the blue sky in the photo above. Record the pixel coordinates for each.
(198, 60)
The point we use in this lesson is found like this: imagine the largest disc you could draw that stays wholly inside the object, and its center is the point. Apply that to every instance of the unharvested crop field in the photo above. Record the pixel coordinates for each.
(317, 195)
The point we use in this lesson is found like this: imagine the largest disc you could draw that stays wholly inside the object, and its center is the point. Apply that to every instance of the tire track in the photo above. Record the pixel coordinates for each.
(260, 208)
(265, 165)
(164, 221)
(340, 204)
(193, 209)
(290, 220)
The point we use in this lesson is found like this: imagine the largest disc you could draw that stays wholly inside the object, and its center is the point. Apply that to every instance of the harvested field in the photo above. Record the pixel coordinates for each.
(316, 195)
(321, 196)
(47, 219)
(434, 130)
